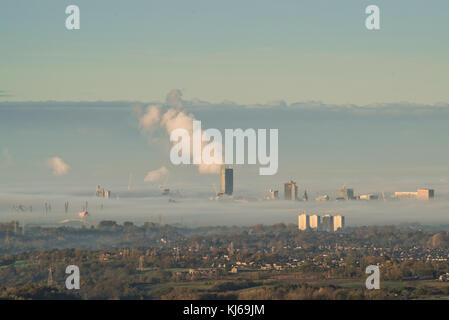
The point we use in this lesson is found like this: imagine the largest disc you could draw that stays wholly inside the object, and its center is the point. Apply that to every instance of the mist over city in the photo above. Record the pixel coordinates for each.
(379, 150)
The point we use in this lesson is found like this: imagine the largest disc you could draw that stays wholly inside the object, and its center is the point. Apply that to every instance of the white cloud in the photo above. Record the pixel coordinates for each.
(150, 118)
(174, 119)
(156, 175)
(58, 166)
(209, 168)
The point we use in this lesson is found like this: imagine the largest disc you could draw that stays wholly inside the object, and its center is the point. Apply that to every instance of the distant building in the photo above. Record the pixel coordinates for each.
(227, 180)
(327, 223)
(303, 222)
(273, 194)
(290, 190)
(369, 197)
(425, 194)
(99, 192)
(324, 197)
(346, 193)
(314, 222)
(405, 195)
(339, 222)
(421, 194)
(102, 193)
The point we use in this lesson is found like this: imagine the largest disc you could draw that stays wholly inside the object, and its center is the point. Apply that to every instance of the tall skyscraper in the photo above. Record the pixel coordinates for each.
(290, 190)
(339, 223)
(303, 222)
(315, 221)
(227, 180)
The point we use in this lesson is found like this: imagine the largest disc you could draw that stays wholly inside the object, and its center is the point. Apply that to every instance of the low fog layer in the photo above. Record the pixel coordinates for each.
(193, 212)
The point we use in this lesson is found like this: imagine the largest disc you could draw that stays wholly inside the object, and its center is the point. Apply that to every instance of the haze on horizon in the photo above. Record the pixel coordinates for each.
(363, 109)
(372, 149)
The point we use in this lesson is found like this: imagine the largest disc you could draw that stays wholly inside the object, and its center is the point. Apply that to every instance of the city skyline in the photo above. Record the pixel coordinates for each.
(108, 133)
(96, 106)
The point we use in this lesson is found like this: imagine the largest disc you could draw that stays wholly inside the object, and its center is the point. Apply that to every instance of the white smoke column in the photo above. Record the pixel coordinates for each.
(151, 118)
(173, 119)
(209, 168)
(156, 175)
(174, 99)
(58, 166)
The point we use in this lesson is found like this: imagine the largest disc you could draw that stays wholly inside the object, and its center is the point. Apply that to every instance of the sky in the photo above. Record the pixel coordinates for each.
(244, 51)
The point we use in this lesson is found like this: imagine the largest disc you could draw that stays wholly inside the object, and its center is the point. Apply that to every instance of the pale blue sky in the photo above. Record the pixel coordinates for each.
(245, 51)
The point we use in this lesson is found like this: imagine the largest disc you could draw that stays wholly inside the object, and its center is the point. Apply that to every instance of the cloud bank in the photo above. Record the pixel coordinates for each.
(156, 175)
(58, 166)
